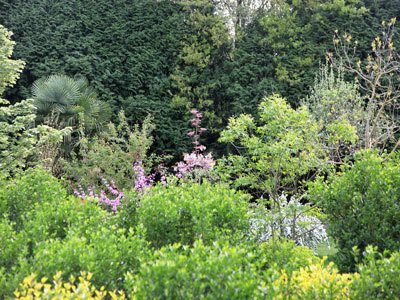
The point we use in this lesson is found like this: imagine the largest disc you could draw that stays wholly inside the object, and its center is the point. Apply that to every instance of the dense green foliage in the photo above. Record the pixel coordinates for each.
(43, 231)
(185, 213)
(10, 69)
(379, 276)
(121, 221)
(283, 49)
(217, 271)
(20, 196)
(126, 49)
(162, 57)
(112, 155)
(362, 206)
(284, 255)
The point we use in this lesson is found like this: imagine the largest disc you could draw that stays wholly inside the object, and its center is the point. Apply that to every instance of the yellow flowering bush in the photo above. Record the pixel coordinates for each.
(31, 289)
(314, 282)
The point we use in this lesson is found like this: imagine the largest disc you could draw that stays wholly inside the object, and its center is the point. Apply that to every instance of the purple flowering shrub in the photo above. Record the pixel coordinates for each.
(111, 197)
(195, 165)
(113, 154)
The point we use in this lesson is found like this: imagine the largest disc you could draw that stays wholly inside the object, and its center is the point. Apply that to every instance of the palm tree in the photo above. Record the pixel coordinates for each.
(62, 100)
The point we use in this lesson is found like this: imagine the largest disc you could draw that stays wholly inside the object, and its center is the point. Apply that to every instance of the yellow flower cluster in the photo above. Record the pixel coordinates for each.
(31, 289)
(315, 282)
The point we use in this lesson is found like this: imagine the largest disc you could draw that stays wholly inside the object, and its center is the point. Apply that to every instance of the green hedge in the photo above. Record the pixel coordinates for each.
(184, 213)
(362, 206)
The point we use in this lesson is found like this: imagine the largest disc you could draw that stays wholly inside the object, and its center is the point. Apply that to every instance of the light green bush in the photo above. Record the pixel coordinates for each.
(20, 196)
(184, 213)
(379, 276)
(107, 252)
(14, 248)
(314, 282)
(51, 220)
(202, 272)
(362, 206)
(283, 255)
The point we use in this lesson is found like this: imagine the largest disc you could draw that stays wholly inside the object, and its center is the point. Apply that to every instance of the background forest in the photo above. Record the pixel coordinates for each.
(225, 149)
(165, 57)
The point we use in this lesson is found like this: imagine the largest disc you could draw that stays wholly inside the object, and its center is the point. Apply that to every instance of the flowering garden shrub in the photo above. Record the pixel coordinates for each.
(106, 200)
(112, 155)
(102, 200)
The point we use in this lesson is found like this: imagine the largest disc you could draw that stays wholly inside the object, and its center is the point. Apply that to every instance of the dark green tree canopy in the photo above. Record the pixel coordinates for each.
(163, 57)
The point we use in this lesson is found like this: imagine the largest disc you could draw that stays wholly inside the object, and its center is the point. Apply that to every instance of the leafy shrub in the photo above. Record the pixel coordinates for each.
(55, 221)
(18, 197)
(313, 282)
(379, 276)
(107, 252)
(126, 216)
(187, 212)
(30, 288)
(283, 255)
(362, 206)
(338, 105)
(12, 245)
(111, 155)
(207, 272)
(13, 250)
(46, 222)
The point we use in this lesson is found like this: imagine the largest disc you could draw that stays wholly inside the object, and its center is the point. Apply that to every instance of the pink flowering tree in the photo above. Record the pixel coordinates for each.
(197, 164)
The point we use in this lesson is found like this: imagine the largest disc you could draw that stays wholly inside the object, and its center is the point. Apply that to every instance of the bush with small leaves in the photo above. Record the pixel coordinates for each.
(362, 206)
(202, 272)
(283, 255)
(184, 213)
(56, 220)
(20, 196)
(379, 276)
(314, 282)
(47, 223)
(126, 216)
(31, 289)
(107, 252)
(13, 250)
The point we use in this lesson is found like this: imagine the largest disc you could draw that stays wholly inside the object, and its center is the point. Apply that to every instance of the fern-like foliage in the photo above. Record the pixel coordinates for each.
(61, 99)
